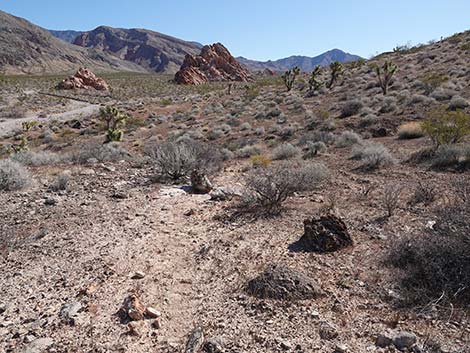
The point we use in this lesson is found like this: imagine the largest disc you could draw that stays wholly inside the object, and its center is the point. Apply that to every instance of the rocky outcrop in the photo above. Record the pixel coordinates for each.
(325, 234)
(84, 79)
(215, 63)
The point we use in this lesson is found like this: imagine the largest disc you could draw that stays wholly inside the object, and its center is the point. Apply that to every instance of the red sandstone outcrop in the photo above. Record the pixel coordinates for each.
(84, 79)
(215, 63)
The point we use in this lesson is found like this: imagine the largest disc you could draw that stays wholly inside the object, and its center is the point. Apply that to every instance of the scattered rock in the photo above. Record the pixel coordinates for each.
(132, 308)
(327, 331)
(200, 183)
(50, 201)
(383, 341)
(195, 341)
(223, 194)
(152, 313)
(138, 275)
(215, 63)
(325, 234)
(214, 345)
(69, 312)
(156, 324)
(84, 79)
(39, 345)
(404, 339)
(281, 282)
(341, 348)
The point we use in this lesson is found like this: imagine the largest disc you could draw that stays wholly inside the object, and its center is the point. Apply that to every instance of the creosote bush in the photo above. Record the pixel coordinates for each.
(351, 108)
(13, 176)
(267, 188)
(175, 161)
(348, 138)
(447, 127)
(372, 155)
(285, 151)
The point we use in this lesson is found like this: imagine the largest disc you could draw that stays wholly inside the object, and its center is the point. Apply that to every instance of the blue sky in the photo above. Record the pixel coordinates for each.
(262, 29)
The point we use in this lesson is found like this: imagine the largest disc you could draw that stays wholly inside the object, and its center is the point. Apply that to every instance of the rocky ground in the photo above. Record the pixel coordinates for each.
(71, 257)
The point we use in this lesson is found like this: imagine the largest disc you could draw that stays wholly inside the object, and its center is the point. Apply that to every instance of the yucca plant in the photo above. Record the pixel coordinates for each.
(313, 83)
(113, 120)
(385, 74)
(337, 70)
(289, 77)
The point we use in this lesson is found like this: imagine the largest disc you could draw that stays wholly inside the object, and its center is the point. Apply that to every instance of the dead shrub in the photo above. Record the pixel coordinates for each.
(268, 188)
(13, 176)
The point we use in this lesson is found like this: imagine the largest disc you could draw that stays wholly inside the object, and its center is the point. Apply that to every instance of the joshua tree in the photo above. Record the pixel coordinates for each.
(289, 77)
(313, 83)
(336, 71)
(385, 77)
(113, 120)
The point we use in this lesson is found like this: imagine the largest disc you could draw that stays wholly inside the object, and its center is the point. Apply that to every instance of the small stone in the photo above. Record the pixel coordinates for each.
(195, 341)
(285, 345)
(69, 312)
(328, 331)
(138, 275)
(39, 345)
(189, 212)
(152, 313)
(341, 348)
(214, 345)
(404, 339)
(383, 341)
(134, 328)
(133, 308)
(156, 324)
(50, 201)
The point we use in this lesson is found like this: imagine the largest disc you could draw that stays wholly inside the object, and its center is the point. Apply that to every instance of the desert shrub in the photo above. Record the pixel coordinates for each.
(245, 126)
(442, 94)
(260, 161)
(390, 198)
(285, 151)
(248, 151)
(444, 127)
(97, 152)
(268, 188)
(458, 102)
(348, 138)
(215, 134)
(175, 161)
(317, 136)
(36, 158)
(113, 120)
(451, 156)
(13, 176)
(351, 108)
(227, 154)
(368, 120)
(372, 155)
(389, 105)
(435, 266)
(432, 80)
(259, 131)
(424, 193)
(61, 182)
(312, 149)
(410, 130)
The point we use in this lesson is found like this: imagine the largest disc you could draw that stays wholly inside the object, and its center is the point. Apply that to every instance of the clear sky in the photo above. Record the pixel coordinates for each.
(263, 29)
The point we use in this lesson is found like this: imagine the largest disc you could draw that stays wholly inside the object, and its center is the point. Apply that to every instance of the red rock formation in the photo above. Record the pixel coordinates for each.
(85, 79)
(215, 63)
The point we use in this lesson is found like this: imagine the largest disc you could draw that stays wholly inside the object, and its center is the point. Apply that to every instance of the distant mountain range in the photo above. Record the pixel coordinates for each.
(304, 62)
(67, 35)
(29, 49)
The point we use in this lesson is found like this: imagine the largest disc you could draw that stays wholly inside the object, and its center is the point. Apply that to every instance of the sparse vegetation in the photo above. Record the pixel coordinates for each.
(411, 130)
(444, 127)
(336, 70)
(113, 120)
(289, 77)
(285, 151)
(313, 83)
(13, 176)
(372, 155)
(268, 188)
(385, 75)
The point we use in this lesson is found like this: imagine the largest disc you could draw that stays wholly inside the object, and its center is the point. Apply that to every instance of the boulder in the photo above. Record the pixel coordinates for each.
(200, 182)
(214, 63)
(132, 309)
(283, 283)
(84, 79)
(325, 234)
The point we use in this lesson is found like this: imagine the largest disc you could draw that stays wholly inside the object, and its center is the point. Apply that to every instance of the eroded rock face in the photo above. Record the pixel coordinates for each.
(325, 234)
(215, 63)
(84, 79)
(283, 283)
